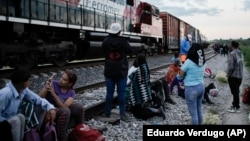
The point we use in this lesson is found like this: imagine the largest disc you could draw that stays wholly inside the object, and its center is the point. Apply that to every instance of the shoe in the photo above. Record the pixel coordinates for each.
(100, 128)
(203, 101)
(210, 102)
(162, 113)
(233, 110)
(212, 76)
(181, 95)
(124, 118)
(170, 100)
(104, 115)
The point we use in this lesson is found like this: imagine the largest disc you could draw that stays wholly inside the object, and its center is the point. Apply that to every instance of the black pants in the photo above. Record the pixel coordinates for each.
(234, 84)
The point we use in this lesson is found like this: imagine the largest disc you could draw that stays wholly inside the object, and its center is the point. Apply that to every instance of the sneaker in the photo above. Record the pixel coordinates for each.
(124, 118)
(170, 100)
(104, 115)
(233, 110)
(100, 128)
(238, 110)
(162, 113)
(203, 101)
(210, 102)
(212, 76)
(231, 107)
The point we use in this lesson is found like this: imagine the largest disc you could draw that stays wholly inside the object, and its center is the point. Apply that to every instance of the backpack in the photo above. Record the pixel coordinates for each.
(49, 134)
(32, 135)
(246, 96)
(83, 132)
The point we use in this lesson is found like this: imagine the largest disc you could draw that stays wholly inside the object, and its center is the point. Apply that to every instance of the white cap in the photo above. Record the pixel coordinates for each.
(189, 37)
(115, 28)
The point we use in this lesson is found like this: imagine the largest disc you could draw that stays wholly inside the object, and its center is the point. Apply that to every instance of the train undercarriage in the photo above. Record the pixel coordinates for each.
(25, 46)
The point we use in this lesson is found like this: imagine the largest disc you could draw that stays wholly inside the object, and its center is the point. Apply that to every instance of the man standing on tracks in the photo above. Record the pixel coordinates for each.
(115, 49)
(185, 46)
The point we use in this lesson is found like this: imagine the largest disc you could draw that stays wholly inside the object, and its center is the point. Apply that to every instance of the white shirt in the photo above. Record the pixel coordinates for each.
(130, 71)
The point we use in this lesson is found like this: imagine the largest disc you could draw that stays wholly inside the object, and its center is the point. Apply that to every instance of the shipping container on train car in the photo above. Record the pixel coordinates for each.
(171, 26)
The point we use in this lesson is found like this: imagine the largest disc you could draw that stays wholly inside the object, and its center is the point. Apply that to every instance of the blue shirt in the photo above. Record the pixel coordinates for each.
(184, 46)
(10, 100)
(193, 73)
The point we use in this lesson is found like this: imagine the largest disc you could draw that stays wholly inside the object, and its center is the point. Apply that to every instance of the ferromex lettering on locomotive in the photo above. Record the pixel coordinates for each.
(60, 31)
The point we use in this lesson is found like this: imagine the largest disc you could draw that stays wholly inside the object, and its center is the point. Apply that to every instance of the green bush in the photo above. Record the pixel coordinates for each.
(246, 53)
(221, 76)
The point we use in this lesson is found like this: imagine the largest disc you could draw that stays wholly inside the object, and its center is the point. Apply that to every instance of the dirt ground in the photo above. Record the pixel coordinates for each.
(236, 118)
(220, 63)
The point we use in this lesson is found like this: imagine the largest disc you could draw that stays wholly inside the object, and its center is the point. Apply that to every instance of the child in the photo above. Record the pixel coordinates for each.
(177, 81)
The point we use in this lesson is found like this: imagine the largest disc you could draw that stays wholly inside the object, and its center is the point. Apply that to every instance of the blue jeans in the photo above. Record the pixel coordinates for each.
(193, 97)
(121, 89)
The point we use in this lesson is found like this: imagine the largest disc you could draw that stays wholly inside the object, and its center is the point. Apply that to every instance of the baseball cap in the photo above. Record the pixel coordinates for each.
(115, 28)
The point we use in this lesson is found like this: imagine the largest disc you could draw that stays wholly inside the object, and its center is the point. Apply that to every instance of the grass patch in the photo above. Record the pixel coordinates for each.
(222, 80)
(221, 77)
(213, 111)
(212, 118)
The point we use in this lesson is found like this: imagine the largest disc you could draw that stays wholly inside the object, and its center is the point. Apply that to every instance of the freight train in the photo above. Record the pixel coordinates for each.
(59, 31)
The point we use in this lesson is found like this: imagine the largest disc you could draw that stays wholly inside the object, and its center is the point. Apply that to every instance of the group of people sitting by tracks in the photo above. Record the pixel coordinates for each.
(144, 99)
(55, 103)
(22, 110)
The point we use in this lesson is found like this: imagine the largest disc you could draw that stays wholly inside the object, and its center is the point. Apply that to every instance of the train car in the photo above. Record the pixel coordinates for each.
(59, 31)
(174, 29)
(171, 31)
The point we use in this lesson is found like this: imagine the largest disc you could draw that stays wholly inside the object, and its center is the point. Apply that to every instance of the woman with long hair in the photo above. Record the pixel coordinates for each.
(193, 73)
(61, 94)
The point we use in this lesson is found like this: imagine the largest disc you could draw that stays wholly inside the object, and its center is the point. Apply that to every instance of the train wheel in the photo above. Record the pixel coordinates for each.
(25, 61)
(60, 60)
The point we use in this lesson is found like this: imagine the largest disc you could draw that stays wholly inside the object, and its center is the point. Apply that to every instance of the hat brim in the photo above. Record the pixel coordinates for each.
(113, 32)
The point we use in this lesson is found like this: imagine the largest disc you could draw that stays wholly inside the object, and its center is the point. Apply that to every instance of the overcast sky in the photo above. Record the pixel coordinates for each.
(216, 19)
